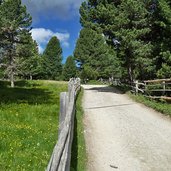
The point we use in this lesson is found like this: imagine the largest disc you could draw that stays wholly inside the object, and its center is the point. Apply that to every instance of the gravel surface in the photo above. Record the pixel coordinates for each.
(124, 135)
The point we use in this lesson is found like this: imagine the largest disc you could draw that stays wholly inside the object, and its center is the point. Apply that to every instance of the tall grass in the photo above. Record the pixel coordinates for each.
(28, 124)
(78, 155)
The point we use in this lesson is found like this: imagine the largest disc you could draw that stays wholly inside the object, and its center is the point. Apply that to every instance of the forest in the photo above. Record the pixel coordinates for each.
(128, 39)
(19, 55)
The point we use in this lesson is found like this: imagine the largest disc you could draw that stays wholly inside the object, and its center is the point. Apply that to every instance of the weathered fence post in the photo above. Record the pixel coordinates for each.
(60, 158)
(136, 86)
(63, 107)
(145, 86)
(164, 87)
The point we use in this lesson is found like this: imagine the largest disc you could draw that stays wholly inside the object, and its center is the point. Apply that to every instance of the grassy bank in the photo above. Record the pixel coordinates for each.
(160, 106)
(78, 158)
(28, 129)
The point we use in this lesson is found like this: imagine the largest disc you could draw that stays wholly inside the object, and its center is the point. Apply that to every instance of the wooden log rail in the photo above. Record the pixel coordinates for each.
(162, 86)
(60, 158)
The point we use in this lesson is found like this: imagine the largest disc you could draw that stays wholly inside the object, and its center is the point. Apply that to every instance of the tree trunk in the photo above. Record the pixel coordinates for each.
(11, 68)
(130, 74)
(129, 61)
(31, 77)
(12, 79)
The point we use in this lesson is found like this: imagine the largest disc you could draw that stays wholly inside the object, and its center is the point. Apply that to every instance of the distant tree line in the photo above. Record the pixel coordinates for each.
(128, 39)
(19, 56)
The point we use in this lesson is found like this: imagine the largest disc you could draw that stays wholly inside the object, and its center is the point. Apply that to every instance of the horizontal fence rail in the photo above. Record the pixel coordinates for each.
(155, 89)
(60, 158)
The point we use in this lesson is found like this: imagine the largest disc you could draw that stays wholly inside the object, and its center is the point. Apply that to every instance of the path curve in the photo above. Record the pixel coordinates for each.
(124, 135)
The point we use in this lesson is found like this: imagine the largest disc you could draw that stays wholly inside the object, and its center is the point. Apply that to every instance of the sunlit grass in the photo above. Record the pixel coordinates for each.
(29, 121)
(158, 105)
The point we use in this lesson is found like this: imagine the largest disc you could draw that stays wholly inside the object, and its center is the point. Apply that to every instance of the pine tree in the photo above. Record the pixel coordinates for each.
(160, 22)
(139, 31)
(165, 70)
(125, 25)
(131, 28)
(14, 29)
(28, 59)
(52, 59)
(91, 53)
(69, 70)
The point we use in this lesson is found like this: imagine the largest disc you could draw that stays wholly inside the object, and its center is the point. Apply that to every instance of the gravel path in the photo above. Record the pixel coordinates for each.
(124, 135)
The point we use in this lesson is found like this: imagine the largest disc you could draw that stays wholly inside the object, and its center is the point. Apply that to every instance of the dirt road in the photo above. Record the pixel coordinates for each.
(124, 135)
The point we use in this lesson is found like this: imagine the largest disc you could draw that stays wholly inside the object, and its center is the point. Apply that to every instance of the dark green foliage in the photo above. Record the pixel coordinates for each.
(29, 59)
(160, 37)
(165, 70)
(69, 70)
(52, 60)
(131, 28)
(93, 55)
(14, 29)
(138, 31)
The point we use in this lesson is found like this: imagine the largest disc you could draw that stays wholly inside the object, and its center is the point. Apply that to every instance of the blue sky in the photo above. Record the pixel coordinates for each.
(55, 18)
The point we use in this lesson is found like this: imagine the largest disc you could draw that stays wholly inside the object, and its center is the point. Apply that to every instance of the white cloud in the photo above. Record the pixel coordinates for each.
(53, 8)
(42, 36)
(63, 37)
(65, 44)
(40, 49)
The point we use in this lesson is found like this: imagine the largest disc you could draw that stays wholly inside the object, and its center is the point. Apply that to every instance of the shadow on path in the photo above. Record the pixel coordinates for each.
(105, 89)
(110, 106)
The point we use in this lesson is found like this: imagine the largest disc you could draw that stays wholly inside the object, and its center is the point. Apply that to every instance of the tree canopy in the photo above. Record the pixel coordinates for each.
(52, 59)
(93, 54)
(69, 70)
(138, 31)
(14, 29)
(129, 39)
(29, 59)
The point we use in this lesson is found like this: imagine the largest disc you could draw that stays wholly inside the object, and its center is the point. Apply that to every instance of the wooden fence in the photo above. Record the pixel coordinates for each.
(156, 89)
(60, 158)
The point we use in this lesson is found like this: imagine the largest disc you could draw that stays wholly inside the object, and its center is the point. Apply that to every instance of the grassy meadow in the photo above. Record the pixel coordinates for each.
(28, 124)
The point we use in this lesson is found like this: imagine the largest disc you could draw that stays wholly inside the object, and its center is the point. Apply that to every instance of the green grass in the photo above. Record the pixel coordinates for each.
(158, 105)
(28, 129)
(78, 155)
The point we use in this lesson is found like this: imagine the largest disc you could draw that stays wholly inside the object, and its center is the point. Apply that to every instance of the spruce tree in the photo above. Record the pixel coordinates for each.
(160, 22)
(125, 25)
(138, 30)
(92, 54)
(69, 70)
(14, 29)
(28, 60)
(52, 59)
(131, 28)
